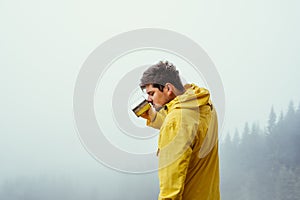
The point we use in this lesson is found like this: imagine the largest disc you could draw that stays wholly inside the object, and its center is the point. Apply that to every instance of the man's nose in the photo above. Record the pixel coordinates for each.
(149, 99)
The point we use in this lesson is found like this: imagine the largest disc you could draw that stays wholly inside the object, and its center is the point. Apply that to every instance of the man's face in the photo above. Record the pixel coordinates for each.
(156, 97)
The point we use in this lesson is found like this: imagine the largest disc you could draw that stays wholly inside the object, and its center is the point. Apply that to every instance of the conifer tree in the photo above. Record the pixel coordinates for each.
(271, 121)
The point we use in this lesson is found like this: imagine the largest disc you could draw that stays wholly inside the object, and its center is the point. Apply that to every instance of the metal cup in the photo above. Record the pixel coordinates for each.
(141, 108)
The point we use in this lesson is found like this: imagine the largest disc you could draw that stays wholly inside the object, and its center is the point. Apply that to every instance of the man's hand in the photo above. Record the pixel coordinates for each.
(149, 114)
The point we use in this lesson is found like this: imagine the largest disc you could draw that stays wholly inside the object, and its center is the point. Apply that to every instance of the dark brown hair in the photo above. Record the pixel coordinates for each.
(160, 74)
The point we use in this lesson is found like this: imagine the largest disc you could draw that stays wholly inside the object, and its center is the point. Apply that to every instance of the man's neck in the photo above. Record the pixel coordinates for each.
(178, 92)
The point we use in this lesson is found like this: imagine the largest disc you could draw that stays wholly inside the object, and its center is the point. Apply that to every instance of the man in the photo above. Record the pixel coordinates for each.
(188, 138)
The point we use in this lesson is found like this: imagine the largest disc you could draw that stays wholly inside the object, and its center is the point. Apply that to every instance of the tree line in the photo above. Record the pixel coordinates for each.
(263, 164)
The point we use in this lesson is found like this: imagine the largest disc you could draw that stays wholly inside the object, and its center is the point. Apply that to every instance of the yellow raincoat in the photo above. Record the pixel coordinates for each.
(188, 147)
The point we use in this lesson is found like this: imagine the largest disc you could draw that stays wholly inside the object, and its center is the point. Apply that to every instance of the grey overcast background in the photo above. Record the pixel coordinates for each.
(254, 44)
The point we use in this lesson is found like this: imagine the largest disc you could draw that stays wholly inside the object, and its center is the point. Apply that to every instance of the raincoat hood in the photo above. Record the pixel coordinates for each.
(193, 98)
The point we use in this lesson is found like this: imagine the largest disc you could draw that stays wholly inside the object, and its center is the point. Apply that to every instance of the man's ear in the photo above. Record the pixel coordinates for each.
(170, 88)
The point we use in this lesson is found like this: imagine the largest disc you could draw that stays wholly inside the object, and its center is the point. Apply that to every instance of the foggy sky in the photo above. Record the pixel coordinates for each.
(255, 46)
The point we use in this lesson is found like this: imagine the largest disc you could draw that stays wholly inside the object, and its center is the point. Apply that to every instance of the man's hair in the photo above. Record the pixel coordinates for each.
(161, 73)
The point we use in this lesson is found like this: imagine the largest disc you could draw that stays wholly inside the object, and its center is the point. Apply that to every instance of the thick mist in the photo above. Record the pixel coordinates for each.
(255, 46)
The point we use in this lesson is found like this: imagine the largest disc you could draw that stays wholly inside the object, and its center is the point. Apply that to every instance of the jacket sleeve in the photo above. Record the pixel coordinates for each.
(175, 144)
(157, 121)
